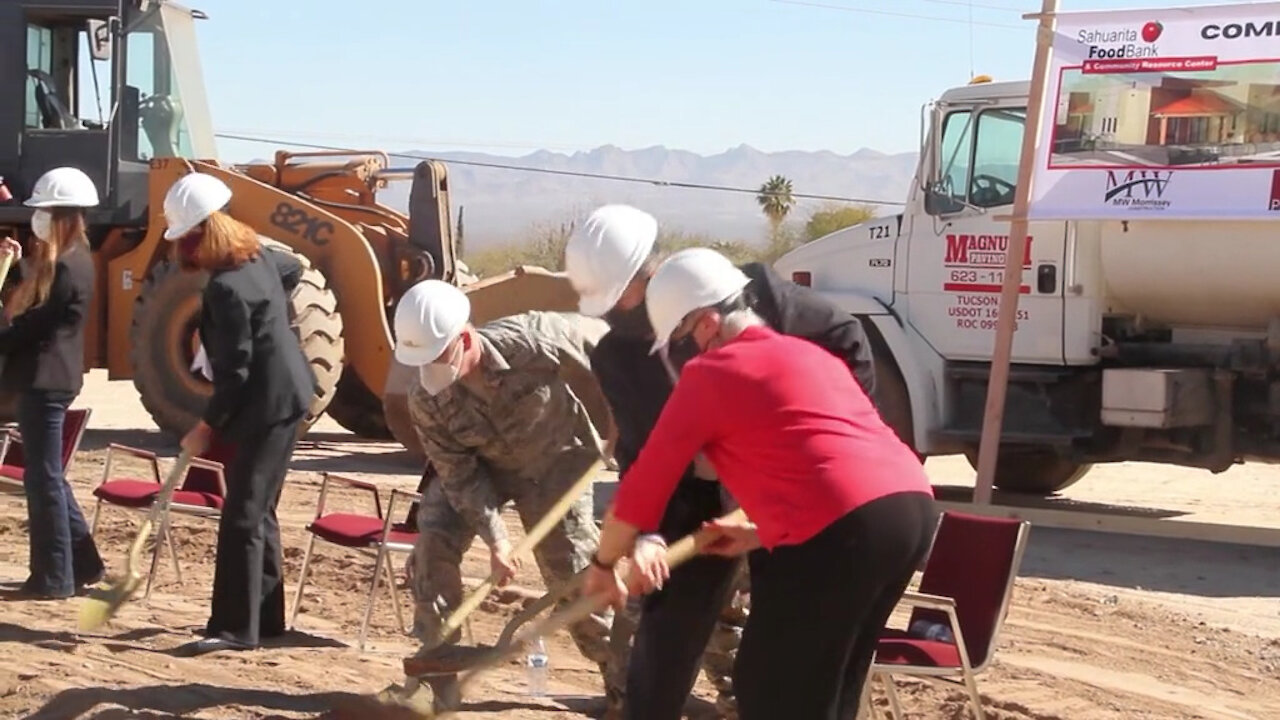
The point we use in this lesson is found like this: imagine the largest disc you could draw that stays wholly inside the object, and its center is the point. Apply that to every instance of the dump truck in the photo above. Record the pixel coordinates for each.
(114, 88)
(1143, 339)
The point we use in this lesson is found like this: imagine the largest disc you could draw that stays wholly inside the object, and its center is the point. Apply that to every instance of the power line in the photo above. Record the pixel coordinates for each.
(566, 173)
(890, 13)
(403, 140)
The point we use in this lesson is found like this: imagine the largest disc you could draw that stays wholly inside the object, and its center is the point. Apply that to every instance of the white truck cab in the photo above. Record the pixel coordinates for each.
(1136, 340)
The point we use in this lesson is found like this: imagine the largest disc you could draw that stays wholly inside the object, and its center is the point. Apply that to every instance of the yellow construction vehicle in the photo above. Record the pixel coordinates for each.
(151, 126)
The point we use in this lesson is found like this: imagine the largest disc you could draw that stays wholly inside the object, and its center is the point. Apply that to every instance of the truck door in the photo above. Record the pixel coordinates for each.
(957, 250)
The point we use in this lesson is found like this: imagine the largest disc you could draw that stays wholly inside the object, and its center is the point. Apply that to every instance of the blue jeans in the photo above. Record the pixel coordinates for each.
(63, 554)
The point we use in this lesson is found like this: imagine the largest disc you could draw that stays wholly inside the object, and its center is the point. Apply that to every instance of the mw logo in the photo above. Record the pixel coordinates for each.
(1151, 183)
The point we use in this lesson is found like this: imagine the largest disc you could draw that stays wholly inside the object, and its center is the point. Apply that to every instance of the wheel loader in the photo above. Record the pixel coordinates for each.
(115, 89)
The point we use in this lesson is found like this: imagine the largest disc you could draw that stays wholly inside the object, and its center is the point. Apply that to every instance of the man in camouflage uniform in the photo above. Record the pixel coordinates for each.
(500, 423)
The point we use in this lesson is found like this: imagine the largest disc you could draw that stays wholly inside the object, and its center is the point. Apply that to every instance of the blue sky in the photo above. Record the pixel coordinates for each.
(511, 76)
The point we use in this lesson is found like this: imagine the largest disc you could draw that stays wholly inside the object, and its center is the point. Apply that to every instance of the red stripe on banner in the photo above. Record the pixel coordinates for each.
(980, 287)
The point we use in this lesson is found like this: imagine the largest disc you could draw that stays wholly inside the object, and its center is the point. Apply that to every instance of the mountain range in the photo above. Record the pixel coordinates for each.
(505, 207)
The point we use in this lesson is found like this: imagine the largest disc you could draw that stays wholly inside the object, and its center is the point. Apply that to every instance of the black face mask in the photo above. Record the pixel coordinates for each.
(681, 351)
(632, 323)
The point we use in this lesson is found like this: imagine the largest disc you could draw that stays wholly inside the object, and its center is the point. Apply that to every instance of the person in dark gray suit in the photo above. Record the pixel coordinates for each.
(43, 351)
(262, 386)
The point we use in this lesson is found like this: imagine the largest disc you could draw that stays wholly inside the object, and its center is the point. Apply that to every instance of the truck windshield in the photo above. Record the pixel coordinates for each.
(163, 81)
(980, 159)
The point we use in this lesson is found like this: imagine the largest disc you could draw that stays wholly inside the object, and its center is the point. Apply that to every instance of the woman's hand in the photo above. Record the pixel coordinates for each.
(9, 245)
(197, 440)
(731, 538)
(502, 563)
(606, 585)
(649, 568)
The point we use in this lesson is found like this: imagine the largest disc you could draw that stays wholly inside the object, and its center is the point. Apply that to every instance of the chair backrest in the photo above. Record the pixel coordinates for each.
(73, 427)
(204, 479)
(974, 561)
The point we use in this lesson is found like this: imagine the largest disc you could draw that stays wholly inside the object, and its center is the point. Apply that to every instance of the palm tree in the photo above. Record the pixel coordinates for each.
(775, 200)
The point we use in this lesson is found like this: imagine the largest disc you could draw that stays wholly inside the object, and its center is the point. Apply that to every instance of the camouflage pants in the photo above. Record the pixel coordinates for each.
(566, 550)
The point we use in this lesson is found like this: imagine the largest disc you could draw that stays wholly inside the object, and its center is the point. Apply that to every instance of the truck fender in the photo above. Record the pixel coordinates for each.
(921, 391)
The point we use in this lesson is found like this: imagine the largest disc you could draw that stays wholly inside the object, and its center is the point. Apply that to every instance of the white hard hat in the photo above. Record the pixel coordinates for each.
(431, 315)
(191, 200)
(63, 187)
(605, 253)
(690, 279)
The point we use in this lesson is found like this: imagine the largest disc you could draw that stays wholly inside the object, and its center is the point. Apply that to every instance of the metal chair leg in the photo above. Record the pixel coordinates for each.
(373, 592)
(302, 581)
(895, 706)
(93, 525)
(155, 560)
(173, 551)
(971, 683)
(395, 598)
(864, 698)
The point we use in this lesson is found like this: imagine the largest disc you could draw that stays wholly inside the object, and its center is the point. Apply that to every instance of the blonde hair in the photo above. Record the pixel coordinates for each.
(225, 243)
(68, 232)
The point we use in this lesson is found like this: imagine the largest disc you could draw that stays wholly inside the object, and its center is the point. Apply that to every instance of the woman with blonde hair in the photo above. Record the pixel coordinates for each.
(262, 387)
(43, 349)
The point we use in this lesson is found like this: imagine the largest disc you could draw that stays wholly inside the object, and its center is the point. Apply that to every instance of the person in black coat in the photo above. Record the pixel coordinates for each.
(43, 352)
(610, 261)
(262, 387)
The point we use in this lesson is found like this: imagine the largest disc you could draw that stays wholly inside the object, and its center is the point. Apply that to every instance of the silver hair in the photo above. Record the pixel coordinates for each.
(738, 320)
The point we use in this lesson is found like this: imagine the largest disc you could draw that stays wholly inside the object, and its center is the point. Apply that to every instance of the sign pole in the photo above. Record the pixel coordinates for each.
(993, 417)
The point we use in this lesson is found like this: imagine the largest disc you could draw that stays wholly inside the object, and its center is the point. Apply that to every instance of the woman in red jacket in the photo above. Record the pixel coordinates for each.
(841, 510)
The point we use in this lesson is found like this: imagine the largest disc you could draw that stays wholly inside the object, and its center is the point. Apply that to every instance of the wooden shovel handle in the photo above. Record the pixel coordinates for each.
(530, 540)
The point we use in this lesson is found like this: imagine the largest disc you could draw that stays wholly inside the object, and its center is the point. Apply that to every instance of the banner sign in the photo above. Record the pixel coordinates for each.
(1169, 113)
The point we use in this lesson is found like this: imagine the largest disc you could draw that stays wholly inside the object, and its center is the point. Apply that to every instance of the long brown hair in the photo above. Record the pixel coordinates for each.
(67, 233)
(220, 243)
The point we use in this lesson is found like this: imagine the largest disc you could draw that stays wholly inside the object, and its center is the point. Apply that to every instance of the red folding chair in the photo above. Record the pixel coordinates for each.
(966, 586)
(377, 534)
(12, 460)
(202, 493)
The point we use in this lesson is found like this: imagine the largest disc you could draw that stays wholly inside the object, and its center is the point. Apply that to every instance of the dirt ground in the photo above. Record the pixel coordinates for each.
(1102, 626)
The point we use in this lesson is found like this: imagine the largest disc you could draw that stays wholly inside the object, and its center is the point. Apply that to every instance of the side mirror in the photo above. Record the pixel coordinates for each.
(100, 39)
(937, 201)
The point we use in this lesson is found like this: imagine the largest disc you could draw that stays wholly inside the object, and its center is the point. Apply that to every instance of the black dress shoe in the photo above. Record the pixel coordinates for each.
(214, 644)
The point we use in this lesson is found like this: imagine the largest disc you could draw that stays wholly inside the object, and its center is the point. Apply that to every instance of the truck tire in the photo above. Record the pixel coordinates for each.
(357, 409)
(1033, 472)
(891, 396)
(166, 317)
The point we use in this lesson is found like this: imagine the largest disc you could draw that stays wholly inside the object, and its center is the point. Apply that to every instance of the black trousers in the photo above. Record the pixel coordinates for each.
(677, 621)
(248, 579)
(675, 625)
(817, 610)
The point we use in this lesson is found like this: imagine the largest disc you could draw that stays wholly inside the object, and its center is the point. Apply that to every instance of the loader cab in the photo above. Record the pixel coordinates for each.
(101, 85)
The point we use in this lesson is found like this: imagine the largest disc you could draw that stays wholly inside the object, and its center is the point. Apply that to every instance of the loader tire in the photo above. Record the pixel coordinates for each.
(395, 408)
(166, 316)
(357, 409)
(1032, 471)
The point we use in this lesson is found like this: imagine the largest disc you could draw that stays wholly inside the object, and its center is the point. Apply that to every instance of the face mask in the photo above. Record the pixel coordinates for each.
(42, 224)
(631, 323)
(437, 376)
(681, 351)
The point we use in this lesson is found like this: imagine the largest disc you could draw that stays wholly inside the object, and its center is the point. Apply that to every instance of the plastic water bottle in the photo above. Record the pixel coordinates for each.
(928, 630)
(536, 666)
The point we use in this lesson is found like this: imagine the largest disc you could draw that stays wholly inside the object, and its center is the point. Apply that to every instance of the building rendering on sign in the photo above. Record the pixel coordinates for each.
(1229, 115)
